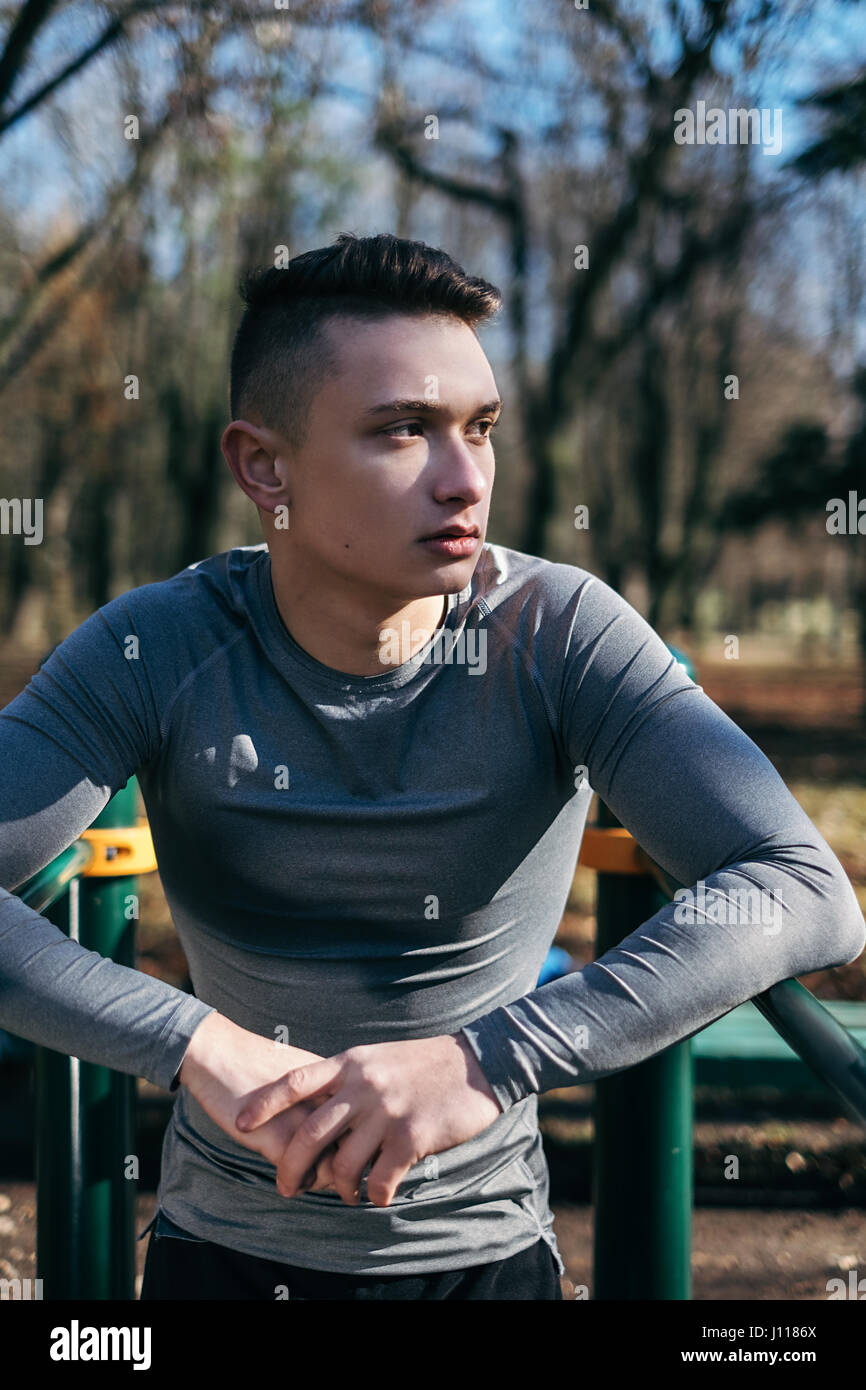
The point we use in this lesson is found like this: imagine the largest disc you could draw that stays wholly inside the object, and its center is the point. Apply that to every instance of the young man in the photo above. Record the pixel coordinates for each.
(367, 757)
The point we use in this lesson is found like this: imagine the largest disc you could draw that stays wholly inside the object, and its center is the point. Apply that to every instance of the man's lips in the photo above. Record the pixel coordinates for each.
(454, 547)
(452, 531)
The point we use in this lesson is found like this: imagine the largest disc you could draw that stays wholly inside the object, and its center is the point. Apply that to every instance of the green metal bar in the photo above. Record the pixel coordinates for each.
(821, 1040)
(85, 1238)
(826, 1046)
(742, 1049)
(58, 1150)
(643, 1162)
(643, 1172)
(50, 884)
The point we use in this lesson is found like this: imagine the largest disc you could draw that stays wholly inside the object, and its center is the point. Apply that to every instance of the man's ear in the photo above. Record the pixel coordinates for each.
(257, 457)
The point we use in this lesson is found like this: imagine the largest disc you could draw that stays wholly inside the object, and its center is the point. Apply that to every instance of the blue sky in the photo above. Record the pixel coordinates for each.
(38, 172)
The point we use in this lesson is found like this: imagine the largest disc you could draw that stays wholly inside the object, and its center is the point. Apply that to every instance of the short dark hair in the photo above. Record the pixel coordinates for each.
(280, 356)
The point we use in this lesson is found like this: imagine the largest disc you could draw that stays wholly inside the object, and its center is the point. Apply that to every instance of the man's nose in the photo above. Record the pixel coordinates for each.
(460, 475)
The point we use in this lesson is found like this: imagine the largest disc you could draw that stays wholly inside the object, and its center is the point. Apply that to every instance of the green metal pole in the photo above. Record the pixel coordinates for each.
(56, 1140)
(643, 1173)
(86, 1115)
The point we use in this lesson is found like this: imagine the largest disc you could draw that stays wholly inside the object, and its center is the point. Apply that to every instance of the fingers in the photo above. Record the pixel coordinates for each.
(318, 1177)
(298, 1084)
(324, 1173)
(354, 1152)
(309, 1181)
(302, 1152)
(397, 1157)
(392, 1159)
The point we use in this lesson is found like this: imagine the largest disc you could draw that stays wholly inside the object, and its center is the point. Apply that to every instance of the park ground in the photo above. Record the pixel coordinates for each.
(755, 1253)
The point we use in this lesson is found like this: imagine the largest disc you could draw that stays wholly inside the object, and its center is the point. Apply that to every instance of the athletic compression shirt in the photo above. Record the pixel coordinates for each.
(357, 859)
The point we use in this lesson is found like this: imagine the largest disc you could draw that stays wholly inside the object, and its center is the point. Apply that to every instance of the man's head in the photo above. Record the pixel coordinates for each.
(322, 346)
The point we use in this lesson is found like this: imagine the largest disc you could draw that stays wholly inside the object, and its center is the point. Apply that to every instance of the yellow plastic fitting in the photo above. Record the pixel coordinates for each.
(611, 851)
(120, 850)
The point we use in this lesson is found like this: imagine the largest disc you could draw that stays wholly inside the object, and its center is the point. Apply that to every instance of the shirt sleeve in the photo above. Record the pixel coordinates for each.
(768, 900)
(85, 723)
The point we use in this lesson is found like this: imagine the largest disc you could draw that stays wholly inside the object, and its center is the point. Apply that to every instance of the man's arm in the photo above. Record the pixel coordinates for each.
(706, 804)
(84, 724)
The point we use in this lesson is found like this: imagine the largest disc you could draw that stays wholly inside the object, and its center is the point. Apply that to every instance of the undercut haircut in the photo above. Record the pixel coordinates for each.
(281, 357)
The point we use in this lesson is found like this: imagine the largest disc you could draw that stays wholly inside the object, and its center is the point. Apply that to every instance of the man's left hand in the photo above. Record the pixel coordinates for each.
(400, 1100)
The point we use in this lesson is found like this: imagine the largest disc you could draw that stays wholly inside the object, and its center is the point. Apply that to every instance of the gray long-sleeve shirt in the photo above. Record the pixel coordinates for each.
(356, 859)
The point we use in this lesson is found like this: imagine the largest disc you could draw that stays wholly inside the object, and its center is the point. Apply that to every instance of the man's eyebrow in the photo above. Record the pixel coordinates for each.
(428, 407)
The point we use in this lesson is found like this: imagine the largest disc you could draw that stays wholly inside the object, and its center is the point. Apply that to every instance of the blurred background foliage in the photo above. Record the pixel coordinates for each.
(260, 127)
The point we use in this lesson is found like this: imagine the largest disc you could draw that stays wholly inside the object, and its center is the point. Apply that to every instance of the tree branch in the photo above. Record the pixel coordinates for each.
(29, 20)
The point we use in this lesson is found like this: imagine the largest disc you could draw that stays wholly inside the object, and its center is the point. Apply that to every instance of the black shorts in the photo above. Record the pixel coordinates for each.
(181, 1266)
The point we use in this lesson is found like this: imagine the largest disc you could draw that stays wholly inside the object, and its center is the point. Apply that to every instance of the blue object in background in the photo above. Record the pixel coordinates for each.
(557, 962)
(684, 661)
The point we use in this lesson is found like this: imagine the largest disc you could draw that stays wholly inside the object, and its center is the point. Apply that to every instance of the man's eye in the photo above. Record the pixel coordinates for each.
(410, 425)
(417, 424)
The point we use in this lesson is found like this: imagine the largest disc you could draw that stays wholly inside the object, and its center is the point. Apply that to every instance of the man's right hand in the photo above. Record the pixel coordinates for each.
(223, 1063)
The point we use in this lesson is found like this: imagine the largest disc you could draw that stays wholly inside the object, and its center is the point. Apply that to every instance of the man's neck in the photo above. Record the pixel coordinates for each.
(345, 629)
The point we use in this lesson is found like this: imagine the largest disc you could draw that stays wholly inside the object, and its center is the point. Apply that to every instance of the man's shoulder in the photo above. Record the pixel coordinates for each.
(514, 579)
(560, 615)
(176, 623)
(217, 581)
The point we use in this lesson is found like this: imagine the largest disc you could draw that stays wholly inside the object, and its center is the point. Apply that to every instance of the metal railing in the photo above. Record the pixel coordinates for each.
(86, 1166)
(643, 1174)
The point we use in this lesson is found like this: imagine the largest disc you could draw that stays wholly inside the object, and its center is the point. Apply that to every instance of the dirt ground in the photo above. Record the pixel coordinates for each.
(757, 1254)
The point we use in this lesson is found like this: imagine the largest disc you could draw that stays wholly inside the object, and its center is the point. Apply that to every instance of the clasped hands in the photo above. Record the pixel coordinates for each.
(320, 1121)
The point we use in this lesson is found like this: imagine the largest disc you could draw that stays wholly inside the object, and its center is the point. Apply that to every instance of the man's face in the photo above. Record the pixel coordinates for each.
(370, 482)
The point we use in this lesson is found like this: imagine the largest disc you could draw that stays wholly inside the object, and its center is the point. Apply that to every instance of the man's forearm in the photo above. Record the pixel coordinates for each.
(665, 981)
(225, 1065)
(211, 1040)
(56, 993)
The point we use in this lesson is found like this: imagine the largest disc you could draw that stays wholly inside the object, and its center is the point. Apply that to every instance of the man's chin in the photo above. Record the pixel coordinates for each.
(429, 577)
